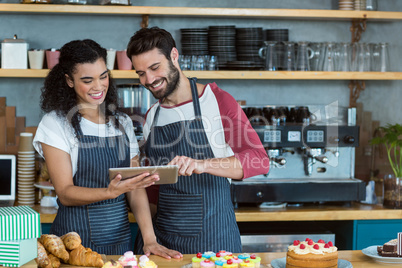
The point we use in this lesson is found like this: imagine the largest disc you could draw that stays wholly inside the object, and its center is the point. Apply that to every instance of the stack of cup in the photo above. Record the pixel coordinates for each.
(26, 170)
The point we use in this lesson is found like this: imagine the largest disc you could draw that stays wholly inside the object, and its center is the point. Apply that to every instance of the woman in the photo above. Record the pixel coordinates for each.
(81, 136)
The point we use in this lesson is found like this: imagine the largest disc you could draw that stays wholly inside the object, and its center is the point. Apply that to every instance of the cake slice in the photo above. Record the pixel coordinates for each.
(389, 249)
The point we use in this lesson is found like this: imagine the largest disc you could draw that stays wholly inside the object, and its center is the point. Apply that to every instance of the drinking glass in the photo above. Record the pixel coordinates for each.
(361, 59)
(344, 62)
(303, 58)
(316, 58)
(289, 56)
(329, 58)
(383, 60)
(269, 53)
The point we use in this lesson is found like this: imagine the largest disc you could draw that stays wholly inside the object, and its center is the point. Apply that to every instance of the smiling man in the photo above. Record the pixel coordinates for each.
(203, 130)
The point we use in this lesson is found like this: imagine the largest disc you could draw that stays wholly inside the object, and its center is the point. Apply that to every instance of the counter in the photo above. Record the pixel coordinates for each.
(356, 257)
(307, 212)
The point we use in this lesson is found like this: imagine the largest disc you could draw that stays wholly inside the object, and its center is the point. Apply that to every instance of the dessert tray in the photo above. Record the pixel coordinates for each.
(372, 253)
(281, 263)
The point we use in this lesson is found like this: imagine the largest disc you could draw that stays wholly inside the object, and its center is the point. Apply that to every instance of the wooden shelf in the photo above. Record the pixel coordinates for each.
(201, 11)
(267, 75)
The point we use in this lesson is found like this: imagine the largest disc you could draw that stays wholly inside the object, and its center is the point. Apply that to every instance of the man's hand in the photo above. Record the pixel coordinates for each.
(188, 166)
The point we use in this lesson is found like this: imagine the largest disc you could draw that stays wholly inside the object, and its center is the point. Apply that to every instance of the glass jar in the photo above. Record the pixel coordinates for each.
(371, 5)
(392, 191)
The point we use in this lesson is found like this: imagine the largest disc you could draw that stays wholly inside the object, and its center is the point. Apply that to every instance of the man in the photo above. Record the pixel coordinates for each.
(203, 130)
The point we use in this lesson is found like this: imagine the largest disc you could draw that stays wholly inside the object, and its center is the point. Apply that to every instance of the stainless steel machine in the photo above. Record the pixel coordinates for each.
(312, 156)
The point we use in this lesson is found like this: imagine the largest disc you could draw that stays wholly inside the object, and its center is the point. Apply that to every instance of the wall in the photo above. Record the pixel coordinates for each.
(382, 98)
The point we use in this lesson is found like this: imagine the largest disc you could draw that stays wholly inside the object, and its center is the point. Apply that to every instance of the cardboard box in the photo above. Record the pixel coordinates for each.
(18, 223)
(18, 252)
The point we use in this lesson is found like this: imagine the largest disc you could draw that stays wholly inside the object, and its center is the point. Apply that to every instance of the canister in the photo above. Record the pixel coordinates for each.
(14, 53)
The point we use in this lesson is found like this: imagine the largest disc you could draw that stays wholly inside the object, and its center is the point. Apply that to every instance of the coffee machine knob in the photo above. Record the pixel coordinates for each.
(349, 140)
(322, 158)
(260, 194)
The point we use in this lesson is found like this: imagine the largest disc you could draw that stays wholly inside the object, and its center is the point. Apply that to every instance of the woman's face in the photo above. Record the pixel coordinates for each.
(90, 82)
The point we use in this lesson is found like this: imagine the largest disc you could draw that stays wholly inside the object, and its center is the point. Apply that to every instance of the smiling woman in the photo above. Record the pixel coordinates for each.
(81, 136)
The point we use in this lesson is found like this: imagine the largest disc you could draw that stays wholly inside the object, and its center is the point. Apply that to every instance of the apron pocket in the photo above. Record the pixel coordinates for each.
(109, 224)
(180, 215)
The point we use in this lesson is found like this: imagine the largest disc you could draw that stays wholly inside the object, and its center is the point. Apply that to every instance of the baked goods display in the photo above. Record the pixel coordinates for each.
(312, 254)
(67, 249)
(225, 259)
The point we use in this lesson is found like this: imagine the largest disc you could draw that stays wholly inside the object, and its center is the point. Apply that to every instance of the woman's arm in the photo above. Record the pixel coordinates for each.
(60, 170)
(139, 205)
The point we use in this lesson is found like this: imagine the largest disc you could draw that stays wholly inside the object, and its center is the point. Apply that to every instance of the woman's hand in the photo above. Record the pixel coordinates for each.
(160, 250)
(118, 186)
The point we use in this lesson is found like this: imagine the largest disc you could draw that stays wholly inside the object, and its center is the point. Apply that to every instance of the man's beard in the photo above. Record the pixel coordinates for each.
(172, 83)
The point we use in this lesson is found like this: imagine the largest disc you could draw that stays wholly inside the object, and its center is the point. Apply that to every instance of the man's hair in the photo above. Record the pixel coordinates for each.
(147, 39)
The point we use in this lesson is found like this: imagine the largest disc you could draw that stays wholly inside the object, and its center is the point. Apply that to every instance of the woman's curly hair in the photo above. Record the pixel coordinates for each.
(59, 97)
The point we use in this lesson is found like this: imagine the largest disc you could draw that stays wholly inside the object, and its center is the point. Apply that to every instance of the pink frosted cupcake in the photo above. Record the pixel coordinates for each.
(127, 257)
(236, 260)
(207, 263)
(224, 253)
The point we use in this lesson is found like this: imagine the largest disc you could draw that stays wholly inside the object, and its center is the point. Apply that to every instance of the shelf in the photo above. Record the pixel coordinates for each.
(201, 11)
(267, 75)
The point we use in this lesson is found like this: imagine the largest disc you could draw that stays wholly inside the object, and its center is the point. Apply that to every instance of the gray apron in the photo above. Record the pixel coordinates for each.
(103, 226)
(195, 214)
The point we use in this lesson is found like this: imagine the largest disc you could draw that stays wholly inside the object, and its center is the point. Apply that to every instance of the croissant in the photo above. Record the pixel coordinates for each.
(82, 256)
(71, 240)
(54, 245)
(43, 259)
(54, 261)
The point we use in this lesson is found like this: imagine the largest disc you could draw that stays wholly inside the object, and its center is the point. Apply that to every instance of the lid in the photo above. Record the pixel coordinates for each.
(14, 40)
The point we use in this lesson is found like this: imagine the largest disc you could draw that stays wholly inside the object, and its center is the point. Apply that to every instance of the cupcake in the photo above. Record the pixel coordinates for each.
(127, 257)
(131, 264)
(236, 260)
(208, 254)
(145, 262)
(255, 259)
(219, 263)
(244, 256)
(230, 264)
(247, 264)
(228, 256)
(224, 253)
(112, 264)
(196, 261)
(207, 263)
(216, 257)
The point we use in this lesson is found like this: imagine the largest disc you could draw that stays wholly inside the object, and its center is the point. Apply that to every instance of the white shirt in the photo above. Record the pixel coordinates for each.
(57, 132)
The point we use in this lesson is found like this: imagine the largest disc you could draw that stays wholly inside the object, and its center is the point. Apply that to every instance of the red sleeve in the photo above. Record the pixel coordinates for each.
(240, 135)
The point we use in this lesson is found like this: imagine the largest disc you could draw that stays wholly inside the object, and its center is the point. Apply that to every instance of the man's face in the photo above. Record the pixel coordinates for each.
(156, 73)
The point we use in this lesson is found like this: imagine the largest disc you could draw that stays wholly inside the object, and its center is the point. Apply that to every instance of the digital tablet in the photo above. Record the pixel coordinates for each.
(167, 174)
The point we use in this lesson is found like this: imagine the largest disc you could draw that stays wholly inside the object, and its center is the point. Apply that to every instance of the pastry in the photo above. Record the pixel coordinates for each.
(196, 261)
(247, 264)
(112, 264)
(71, 240)
(207, 263)
(255, 259)
(145, 262)
(230, 264)
(310, 254)
(54, 245)
(82, 256)
(43, 259)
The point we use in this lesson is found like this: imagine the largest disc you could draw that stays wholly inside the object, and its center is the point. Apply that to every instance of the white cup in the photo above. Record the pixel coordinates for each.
(110, 59)
(36, 58)
(48, 201)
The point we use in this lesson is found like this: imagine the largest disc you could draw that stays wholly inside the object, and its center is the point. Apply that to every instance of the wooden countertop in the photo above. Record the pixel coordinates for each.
(307, 212)
(356, 257)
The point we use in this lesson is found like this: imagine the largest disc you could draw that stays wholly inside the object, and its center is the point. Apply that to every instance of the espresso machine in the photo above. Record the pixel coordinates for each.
(312, 156)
